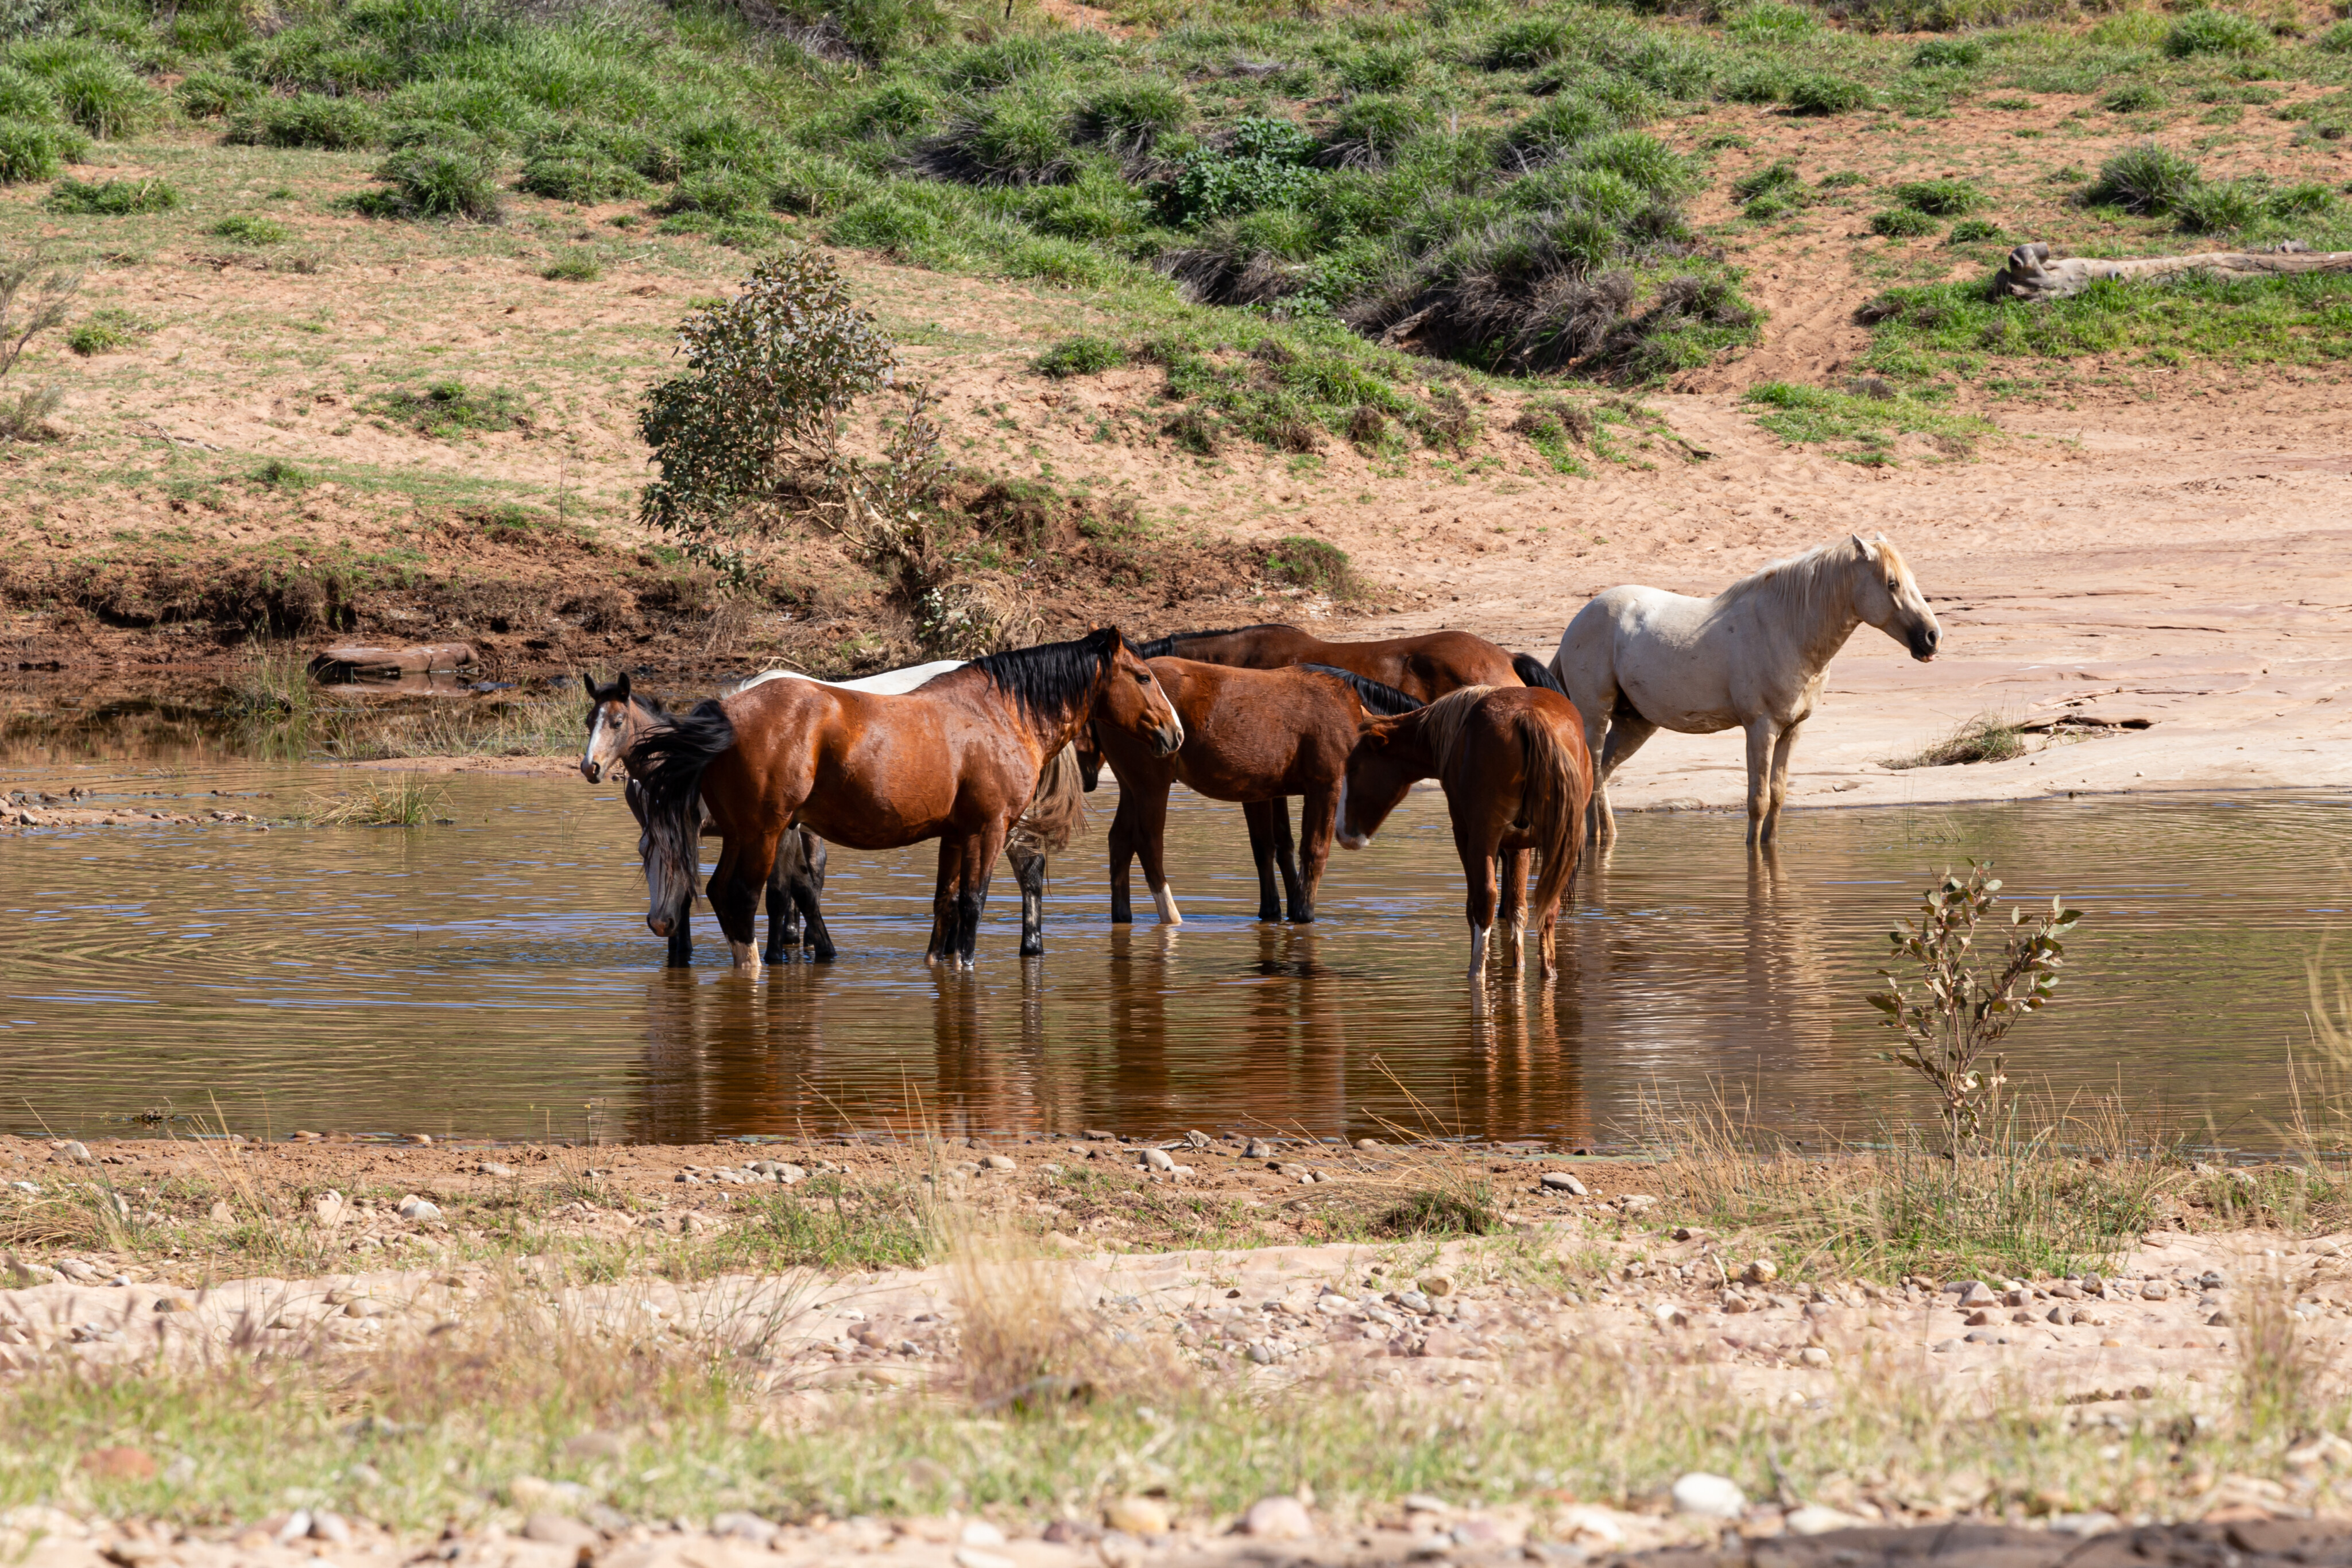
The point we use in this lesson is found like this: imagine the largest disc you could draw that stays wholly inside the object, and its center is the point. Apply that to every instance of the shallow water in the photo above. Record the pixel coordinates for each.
(493, 978)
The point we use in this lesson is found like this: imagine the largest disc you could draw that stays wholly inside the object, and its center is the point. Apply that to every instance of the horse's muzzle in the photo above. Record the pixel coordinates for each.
(1168, 739)
(592, 771)
(1923, 641)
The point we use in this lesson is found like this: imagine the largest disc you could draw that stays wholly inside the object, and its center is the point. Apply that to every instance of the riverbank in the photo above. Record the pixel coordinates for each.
(1109, 1351)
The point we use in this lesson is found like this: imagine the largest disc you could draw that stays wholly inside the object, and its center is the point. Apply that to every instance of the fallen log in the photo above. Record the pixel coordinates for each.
(339, 666)
(2032, 275)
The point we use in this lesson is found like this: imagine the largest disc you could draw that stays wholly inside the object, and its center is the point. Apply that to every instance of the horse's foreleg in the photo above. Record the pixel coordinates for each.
(1318, 817)
(808, 889)
(1782, 752)
(1151, 845)
(1122, 857)
(681, 938)
(1514, 901)
(734, 888)
(1259, 815)
(942, 945)
(784, 915)
(1029, 871)
(1762, 735)
(1625, 732)
(1302, 908)
(1603, 826)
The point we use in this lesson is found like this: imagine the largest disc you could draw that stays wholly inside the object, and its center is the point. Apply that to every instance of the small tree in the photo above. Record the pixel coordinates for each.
(34, 298)
(771, 376)
(1962, 1014)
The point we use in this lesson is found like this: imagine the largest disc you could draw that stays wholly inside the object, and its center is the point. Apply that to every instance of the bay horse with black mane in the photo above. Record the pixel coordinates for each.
(1516, 778)
(1251, 735)
(1426, 665)
(617, 720)
(956, 759)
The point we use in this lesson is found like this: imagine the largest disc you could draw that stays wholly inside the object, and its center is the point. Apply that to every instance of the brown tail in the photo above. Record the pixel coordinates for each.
(1057, 808)
(1556, 784)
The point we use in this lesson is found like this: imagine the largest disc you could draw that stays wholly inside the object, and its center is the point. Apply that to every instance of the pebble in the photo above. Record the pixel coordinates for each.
(1561, 1181)
(1734, 1302)
(1435, 1284)
(330, 1528)
(1710, 1496)
(1762, 1271)
(980, 1532)
(1815, 1519)
(1157, 1160)
(1137, 1515)
(1813, 1355)
(560, 1530)
(1118, 1548)
(997, 1163)
(1257, 1149)
(493, 1168)
(73, 1153)
(1368, 1145)
(1975, 1293)
(1414, 1302)
(419, 1210)
(296, 1528)
(1279, 1518)
(1669, 1316)
(744, 1526)
(2217, 1321)
(2155, 1290)
(1978, 1318)
(1639, 1203)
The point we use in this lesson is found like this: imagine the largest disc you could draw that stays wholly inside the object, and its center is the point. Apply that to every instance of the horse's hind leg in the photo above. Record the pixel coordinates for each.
(1123, 837)
(1478, 871)
(972, 899)
(1318, 816)
(1259, 815)
(1623, 733)
(1783, 750)
(735, 887)
(784, 915)
(1029, 871)
(1514, 912)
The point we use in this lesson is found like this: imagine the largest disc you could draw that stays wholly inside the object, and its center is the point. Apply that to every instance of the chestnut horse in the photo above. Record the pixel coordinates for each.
(1251, 736)
(1423, 667)
(957, 760)
(1516, 778)
(617, 720)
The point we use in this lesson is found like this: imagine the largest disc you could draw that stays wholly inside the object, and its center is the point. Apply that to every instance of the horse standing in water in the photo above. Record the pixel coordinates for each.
(617, 721)
(1251, 736)
(1516, 778)
(1637, 660)
(1426, 665)
(957, 760)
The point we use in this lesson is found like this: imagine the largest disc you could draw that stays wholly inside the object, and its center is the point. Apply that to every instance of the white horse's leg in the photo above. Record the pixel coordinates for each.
(1628, 731)
(1781, 752)
(747, 958)
(1603, 826)
(1762, 735)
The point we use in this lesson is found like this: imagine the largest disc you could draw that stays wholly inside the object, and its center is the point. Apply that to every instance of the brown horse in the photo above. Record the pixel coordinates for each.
(1251, 736)
(956, 759)
(1516, 778)
(1423, 667)
(617, 720)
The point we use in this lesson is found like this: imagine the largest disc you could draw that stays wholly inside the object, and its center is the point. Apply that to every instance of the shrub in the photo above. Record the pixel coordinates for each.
(1940, 54)
(2337, 40)
(212, 95)
(585, 177)
(103, 332)
(1902, 223)
(1769, 22)
(2220, 206)
(277, 474)
(435, 182)
(772, 374)
(1130, 115)
(107, 98)
(1943, 198)
(1821, 92)
(575, 265)
(37, 152)
(1080, 357)
(2303, 199)
(2133, 97)
(1309, 563)
(1642, 161)
(307, 120)
(893, 109)
(1973, 231)
(28, 98)
(1211, 184)
(2144, 179)
(1370, 129)
(2209, 32)
(245, 229)
(1382, 68)
(113, 199)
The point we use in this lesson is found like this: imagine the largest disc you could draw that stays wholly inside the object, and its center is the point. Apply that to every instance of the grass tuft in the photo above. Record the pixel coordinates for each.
(1987, 738)
(574, 266)
(409, 802)
(112, 198)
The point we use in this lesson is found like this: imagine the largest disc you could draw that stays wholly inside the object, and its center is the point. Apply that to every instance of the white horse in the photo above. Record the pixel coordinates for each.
(1754, 657)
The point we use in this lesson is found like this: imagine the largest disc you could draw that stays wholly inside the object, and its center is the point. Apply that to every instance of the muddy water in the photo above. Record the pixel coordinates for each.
(493, 978)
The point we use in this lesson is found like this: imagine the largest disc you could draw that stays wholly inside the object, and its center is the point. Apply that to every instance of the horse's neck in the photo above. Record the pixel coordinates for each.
(1814, 624)
(1410, 748)
(641, 723)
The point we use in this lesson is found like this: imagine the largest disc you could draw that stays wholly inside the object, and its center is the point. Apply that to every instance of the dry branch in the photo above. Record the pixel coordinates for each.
(2032, 275)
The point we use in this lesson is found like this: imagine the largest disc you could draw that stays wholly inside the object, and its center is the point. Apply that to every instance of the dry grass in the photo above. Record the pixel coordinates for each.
(1986, 737)
(406, 802)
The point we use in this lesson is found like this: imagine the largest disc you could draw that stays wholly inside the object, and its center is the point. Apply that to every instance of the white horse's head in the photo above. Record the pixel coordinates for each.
(1886, 596)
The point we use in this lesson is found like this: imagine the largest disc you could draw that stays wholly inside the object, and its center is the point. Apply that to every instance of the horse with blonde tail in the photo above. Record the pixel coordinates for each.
(1754, 657)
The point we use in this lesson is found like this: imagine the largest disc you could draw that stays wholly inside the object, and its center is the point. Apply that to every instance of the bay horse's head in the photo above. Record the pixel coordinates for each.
(1379, 774)
(612, 723)
(1885, 596)
(1131, 699)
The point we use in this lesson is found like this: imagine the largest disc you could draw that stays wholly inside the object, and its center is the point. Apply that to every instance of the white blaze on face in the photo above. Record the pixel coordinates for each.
(588, 758)
(1346, 841)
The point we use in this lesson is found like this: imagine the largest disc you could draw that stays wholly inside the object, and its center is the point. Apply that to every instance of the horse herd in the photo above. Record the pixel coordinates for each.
(992, 758)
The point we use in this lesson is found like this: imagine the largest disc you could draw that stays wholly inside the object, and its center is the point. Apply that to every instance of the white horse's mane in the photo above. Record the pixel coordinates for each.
(1797, 580)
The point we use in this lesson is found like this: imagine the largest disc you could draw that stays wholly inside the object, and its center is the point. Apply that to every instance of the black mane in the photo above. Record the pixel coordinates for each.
(1533, 671)
(1165, 647)
(1051, 677)
(1386, 701)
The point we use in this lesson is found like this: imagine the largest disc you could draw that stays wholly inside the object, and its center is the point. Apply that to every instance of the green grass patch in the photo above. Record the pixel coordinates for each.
(1863, 423)
(1310, 563)
(575, 265)
(449, 409)
(1987, 738)
(104, 330)
(245, 228)
(1083, 356)
(111, 198)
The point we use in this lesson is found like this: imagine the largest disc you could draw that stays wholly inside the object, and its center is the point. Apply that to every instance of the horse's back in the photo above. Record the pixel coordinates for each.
(1619, 635)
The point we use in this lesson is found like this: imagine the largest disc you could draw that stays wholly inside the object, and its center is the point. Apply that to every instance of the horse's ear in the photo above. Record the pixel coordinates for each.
(589, 681)
(1869, 551)
(621, 686)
